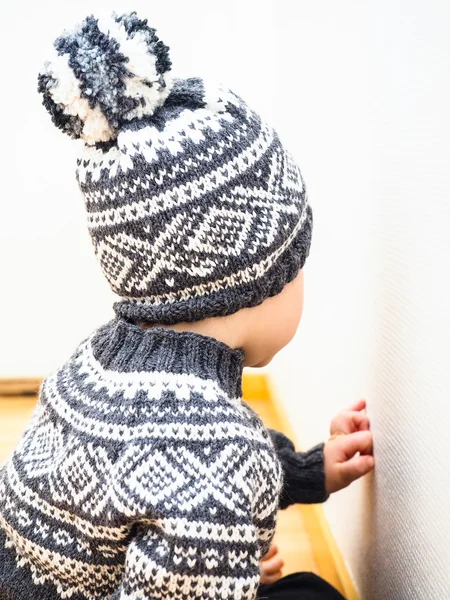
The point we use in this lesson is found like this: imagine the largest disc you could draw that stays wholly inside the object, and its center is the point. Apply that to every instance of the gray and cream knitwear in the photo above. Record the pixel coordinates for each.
(194, 207)
(143, 475)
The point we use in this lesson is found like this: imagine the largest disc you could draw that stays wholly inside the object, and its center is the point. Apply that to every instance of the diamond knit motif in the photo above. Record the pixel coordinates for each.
(194, 206)
(141, 475)
(173, 229)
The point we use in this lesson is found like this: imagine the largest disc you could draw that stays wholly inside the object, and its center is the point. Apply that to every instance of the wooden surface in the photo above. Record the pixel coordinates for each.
(20, 386)
(15, 412)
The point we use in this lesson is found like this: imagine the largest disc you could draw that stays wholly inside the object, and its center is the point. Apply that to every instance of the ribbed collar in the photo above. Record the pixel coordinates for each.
(124, 347)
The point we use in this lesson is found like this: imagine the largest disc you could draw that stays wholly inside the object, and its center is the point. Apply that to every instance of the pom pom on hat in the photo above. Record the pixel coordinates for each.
(103, 73)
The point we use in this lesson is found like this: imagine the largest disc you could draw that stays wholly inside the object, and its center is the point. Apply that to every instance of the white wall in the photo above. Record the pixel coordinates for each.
(376, 321)
(359, 93)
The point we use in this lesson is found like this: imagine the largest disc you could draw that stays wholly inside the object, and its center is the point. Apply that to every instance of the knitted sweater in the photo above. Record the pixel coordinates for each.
(142, 475)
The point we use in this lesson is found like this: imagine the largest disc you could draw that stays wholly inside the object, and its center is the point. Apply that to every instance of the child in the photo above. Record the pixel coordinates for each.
(142, 475)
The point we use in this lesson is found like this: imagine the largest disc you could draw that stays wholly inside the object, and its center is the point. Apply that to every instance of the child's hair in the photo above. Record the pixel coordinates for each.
(194, 207)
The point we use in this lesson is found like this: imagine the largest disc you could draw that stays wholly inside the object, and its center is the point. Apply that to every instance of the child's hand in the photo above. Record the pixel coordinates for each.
(350, 435)
(271, 565)
(350, 420)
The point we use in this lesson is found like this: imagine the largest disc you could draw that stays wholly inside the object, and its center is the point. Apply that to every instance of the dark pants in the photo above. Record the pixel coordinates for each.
(299, 586)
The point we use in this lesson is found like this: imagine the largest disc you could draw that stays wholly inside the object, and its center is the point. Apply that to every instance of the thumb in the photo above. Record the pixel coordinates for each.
(355, 468)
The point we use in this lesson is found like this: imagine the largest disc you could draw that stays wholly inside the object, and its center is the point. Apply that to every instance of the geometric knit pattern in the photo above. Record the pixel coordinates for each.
(142, 475)
(194, 207)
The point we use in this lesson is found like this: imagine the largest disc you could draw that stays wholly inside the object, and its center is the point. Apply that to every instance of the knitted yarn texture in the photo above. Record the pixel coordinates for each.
(142, 475)
(194, 207)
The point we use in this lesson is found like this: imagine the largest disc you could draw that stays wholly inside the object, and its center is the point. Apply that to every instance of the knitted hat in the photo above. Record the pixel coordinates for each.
(194, 207)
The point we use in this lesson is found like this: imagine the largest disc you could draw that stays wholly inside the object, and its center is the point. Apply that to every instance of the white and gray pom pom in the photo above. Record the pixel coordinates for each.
(104, 73)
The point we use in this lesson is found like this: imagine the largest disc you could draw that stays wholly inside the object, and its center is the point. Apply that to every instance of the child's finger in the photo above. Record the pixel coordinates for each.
(273, 550)
(273, 565)
(342, 423)
(360, 441)
(361, 421)
(268, 579)
(356, 467)
(349, 422)
(360, 405)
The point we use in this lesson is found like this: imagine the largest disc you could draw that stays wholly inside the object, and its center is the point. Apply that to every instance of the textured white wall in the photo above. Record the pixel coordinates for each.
(410, 377)
(377, 320)
(360, 95)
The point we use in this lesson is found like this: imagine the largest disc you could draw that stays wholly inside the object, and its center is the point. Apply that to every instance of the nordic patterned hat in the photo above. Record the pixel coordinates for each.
(194, 207)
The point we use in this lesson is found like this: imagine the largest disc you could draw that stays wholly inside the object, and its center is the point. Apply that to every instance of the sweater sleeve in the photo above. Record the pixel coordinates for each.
(304, 475)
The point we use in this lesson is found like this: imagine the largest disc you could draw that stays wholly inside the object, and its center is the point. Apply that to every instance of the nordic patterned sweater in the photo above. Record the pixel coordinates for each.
(142, 475)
